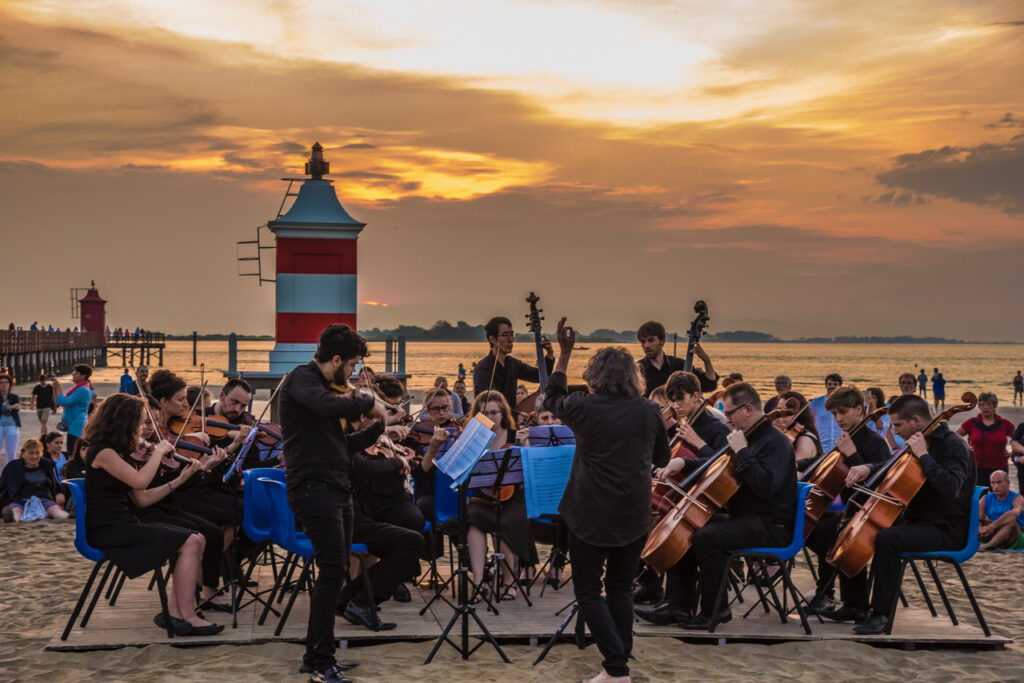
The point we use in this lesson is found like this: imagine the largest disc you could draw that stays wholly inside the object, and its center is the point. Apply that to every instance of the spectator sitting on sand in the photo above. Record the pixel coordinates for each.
(1000, 516)
(32, 475)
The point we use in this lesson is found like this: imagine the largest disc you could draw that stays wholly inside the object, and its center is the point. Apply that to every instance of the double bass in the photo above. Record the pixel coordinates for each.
(528, 406)
(827, 477)
(889, 492)
(709, 489)
(693, 335)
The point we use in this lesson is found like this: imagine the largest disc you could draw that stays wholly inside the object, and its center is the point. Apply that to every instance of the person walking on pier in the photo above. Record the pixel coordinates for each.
(10, 420)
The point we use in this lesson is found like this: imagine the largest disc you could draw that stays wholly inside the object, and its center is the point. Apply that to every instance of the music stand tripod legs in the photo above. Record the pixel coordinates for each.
(580, 633)
(464, 610)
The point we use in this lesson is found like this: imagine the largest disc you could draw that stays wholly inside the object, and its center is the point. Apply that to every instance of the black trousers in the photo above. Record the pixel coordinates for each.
(610, 618)
(399, 551)
(709, 555)
(854, 592)
(911, 537)
(325, 513)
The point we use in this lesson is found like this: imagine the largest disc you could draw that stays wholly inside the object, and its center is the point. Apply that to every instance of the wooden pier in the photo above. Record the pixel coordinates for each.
(28, 353)
(137, 350)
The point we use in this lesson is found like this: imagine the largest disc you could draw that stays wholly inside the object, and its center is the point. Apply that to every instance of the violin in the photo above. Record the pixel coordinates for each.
(269, 433)
(423, 431)
(185, 445)
(889, 492)
(709, 489)
(827, 476)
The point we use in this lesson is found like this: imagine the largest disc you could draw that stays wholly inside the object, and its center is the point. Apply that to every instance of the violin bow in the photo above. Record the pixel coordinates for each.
(202, 379)
(191, 410)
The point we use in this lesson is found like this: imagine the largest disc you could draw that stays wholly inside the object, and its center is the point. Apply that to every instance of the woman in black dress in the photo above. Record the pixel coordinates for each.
(113, 491)
(607, 502)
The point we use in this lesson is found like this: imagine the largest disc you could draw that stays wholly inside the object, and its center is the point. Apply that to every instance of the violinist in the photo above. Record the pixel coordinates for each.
(657, 366)
(232, 406)
(937, 518)
(607, 501)
(761, 512)
(498, 370)
(801, 427)
(847, 406)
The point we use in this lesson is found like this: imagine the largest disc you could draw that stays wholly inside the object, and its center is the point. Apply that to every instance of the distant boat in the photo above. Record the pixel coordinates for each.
(582, 348)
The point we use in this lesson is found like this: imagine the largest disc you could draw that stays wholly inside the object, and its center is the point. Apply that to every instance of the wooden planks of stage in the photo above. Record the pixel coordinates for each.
(129, 623)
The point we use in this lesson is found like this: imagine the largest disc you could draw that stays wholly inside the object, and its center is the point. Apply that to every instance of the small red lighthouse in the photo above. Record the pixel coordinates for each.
(93, 310)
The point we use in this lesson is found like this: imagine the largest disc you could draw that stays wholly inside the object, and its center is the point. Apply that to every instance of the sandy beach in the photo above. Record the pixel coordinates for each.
(45, 574)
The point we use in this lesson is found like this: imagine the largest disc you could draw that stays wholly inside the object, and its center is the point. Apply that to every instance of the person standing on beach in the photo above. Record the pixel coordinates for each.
(10, 420)
(607, 501)
(45, 405)
(922, 385)
(939, 390)
(828, 428)
(75, 402)
(657, 366)
(988, 434)
(1018, 388)
(498, 370)
(316, 454)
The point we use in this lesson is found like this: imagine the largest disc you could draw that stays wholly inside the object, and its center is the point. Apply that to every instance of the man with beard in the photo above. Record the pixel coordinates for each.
(317, 456)
(657, 367)
(233, 407)
(498, 370)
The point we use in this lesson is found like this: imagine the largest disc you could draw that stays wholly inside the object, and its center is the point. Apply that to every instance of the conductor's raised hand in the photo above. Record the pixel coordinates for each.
(566, 337)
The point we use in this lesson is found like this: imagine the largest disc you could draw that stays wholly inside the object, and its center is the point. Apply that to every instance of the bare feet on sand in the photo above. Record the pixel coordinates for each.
(603, 677)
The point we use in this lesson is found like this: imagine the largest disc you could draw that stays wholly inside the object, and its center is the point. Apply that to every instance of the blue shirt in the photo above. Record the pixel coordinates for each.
(76, 409)
(828, 428)
(995, 508)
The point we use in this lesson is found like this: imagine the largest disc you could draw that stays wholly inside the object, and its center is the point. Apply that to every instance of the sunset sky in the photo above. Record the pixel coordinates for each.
(806, 167)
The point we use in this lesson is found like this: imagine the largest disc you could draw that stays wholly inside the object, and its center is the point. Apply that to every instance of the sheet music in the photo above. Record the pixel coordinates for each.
(458, 462)
(545, 474)
(242, 452)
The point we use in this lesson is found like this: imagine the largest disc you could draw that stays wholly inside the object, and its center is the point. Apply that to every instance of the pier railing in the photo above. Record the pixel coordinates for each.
(28, 353)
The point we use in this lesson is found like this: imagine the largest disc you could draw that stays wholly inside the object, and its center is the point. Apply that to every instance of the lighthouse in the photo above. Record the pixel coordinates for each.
(316, 267)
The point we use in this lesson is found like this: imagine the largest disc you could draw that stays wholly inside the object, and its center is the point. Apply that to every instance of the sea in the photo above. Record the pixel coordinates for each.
(966, 367)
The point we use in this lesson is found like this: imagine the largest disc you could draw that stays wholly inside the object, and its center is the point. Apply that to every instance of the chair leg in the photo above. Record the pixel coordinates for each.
(113, 583)
(96, 595)
(970, 596)
(81, 599)
(810, 565)
(797, 598)
(762, 599)
(942, 592)
(303, 576)
(293, 563)
(117, 591)
(922, 588)
(771, 590)
(161, 585)
(892, 609)
(268, 605)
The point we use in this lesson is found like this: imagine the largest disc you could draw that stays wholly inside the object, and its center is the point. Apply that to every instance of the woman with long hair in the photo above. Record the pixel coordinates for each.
(113, 491)
(802, 432)
(607, 502)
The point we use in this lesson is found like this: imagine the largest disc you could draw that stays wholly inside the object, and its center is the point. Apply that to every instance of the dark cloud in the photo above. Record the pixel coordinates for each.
(1008, 121)
(895, 198)
(359, 145)
(26, 57)
(368, 175)
(986, 175)
(288, 147)
(237, 160)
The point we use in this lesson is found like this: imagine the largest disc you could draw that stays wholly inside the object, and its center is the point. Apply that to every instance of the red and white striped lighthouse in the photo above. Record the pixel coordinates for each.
(316, 267)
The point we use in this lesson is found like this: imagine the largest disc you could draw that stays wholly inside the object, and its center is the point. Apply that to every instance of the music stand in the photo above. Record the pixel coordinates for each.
(464, 610)
(551, 435)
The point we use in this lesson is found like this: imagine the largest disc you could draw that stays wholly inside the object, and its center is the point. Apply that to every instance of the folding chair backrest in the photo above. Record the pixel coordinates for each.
(802, 490)
(972, 529)
(446, 501)
(77, 487)
(282, 526)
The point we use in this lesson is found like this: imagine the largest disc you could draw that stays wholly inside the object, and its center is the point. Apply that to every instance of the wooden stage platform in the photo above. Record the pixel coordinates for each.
(130, 624)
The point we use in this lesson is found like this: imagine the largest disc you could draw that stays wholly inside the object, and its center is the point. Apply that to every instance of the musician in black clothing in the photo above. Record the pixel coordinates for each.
(657, 367)
(704, 437)
(848, 407)
(607, 501)
(316, 453)
(937, 518)
(498, 370)
(761, 512)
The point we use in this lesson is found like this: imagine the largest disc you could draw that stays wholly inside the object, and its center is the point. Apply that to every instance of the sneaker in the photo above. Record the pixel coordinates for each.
(874, 625)
(332, 674)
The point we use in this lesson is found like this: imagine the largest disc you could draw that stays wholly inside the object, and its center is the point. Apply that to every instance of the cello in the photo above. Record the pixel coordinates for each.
(889, 492)
(710, 488)
(827, 476)
(528, 405)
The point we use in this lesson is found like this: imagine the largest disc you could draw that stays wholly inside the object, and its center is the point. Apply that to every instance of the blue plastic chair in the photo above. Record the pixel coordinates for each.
(780, 556)
(77, 487)
(284, 534)
(953, 557)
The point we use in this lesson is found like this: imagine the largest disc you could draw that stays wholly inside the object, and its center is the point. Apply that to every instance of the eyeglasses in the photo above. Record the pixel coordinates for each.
(728, 413)
(438, 409)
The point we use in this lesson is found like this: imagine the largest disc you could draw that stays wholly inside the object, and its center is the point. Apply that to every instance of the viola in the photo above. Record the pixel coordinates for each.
(702, 495)
(889, 492)
(827, 476)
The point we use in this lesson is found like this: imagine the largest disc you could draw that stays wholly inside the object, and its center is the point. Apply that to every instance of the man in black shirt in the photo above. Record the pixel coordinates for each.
(865, 447)
(498, 370)
(761, 512)
(937, 518)
(658, 367)
(45, 405)
(316, 454)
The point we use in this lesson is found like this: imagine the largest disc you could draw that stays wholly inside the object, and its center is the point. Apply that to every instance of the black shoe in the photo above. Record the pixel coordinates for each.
(662, 615)
(332, 674)
(217, 607)
(308, 668)
(401, 594)
(702, 622)
(820, 603)
(360, 616)
(208, 630)
(845, 613)
(180, 627)
(872, 626)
